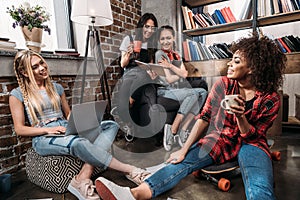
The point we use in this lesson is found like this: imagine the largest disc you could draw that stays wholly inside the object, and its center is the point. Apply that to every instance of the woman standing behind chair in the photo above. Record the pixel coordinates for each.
(45, 105)
(191, 99)
(135, 77)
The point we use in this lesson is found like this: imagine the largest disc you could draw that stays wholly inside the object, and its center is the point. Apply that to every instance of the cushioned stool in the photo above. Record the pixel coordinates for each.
(53, 173)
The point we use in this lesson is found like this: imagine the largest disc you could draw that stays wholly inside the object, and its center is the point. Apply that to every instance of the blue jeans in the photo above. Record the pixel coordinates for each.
(255, 165)
(257, 173)
(167, 177)
(191, 99)
(95, 153)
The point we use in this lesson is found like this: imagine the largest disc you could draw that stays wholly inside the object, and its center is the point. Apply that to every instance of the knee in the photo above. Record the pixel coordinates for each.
(110, 125)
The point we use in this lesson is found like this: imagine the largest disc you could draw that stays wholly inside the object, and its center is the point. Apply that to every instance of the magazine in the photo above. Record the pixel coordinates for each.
(158, 69)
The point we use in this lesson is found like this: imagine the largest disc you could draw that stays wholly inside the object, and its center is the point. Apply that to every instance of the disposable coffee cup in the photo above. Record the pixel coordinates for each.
(5, 183)
(229, 101)
(137, 45)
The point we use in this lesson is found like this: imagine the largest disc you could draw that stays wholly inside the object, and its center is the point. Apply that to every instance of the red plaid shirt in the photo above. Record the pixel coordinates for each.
(224, 139)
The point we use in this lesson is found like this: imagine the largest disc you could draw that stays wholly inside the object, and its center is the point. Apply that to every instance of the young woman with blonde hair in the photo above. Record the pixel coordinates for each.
(45, 105)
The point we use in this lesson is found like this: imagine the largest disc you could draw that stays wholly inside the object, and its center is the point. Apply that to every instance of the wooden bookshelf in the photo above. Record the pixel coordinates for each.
(246, 24)
(220, 28)
(279, 18)
(197, 3)
(219, 67)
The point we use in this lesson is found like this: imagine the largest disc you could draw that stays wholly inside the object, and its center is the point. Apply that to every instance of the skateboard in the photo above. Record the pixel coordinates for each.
(216, 173)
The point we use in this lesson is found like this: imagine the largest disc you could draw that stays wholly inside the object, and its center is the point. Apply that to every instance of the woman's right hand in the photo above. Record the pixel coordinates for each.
(57, 130)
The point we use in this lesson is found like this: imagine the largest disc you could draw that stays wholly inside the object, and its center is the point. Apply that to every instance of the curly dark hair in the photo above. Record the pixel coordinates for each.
(265, 60)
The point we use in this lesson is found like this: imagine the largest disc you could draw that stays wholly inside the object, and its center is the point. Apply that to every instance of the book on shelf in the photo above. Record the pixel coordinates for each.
(283, 50)
(230, 14)
(276, 6)
(186, 18)
(185, 48)
(220, 16)
(215, 18)
(296, 4)
(288, 44)
(295, 41)
(194, 51)
(225, 15)
(158, 69)
(246, 10)
(208, 18)
(201, 21)
(191, 16)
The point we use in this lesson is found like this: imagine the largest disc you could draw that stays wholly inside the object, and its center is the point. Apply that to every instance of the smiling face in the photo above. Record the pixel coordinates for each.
(166, 40)
(238, 68)
(39, 69)
(148, 29)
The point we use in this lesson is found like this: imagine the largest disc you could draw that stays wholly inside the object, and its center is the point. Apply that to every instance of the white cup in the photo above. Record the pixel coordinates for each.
(229, 101)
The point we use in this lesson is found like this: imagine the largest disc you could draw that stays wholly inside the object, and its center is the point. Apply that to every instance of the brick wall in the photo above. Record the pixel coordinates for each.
(12, 148)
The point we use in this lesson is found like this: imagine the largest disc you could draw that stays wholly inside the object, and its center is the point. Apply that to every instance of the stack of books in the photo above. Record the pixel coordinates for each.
(67, 52)
(7, 45)
(196, 51)
(288, 44)
(194, 19)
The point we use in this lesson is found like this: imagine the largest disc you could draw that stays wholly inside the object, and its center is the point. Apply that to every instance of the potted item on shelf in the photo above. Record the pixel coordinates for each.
(31, 20)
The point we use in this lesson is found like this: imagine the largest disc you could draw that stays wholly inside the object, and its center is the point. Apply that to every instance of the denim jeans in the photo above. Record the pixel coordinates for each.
(191, 99)
(96, 153)
(257, 173)
(131, 85)
(255, 166)
(167, 177)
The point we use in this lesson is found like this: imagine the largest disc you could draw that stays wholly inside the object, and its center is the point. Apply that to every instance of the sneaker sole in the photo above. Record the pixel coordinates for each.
(75, 192)
(167, 147)
(103, 191)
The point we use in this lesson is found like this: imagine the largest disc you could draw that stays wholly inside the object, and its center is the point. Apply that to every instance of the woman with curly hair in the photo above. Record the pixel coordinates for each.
(254, 73)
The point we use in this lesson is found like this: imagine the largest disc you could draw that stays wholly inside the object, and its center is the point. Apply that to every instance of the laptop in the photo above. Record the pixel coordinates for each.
(85, 118)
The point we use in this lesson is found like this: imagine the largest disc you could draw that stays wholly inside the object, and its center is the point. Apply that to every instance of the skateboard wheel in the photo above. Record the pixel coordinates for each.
(276, 155)
(196, 173)
(224, 184)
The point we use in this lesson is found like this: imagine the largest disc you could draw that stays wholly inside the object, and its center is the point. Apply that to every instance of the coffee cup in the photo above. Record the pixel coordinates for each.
(137, 45)
(229, 101)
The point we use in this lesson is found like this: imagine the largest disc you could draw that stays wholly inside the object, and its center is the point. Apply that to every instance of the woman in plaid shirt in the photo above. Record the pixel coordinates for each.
(255, 73)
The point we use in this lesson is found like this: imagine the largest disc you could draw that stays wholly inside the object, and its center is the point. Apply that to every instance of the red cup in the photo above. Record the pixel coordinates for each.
(137, 45)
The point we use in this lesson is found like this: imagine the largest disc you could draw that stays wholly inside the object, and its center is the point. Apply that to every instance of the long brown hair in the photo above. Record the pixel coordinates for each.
(32, 99)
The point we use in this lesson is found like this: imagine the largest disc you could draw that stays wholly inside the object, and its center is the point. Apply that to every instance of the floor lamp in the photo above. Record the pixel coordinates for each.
(93, 13)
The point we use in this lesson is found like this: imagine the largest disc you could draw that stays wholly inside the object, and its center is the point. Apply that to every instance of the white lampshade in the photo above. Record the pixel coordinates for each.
(84, 10)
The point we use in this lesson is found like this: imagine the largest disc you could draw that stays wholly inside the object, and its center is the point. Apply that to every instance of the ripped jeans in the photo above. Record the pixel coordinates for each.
(96, 153)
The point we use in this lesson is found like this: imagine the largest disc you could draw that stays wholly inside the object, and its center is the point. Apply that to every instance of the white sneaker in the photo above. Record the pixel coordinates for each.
(111, 191)
(183, 135)
(169, 138)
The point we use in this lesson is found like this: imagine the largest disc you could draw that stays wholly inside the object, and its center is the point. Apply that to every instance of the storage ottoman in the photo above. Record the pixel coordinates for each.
(53, 173)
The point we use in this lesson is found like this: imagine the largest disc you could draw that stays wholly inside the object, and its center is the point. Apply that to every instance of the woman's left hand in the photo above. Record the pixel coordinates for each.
(164, 62)
(238, 110)
(176, 157)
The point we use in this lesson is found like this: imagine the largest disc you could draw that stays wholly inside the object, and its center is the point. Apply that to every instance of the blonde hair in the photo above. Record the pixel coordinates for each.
(32, 98)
